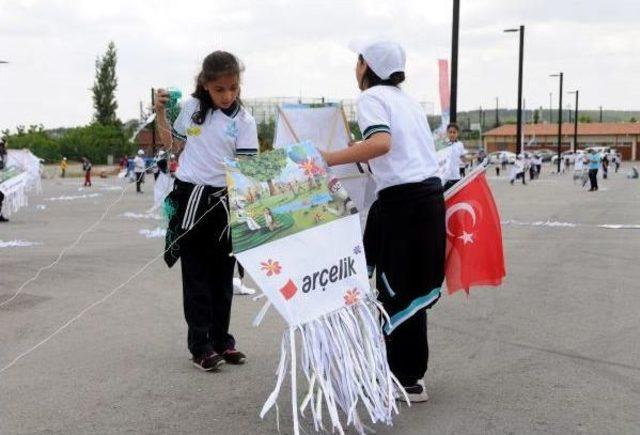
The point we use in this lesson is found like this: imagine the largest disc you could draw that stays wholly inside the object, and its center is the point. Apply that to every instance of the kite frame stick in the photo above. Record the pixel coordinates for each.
(466, 180)
(346, 127)
(288, 124)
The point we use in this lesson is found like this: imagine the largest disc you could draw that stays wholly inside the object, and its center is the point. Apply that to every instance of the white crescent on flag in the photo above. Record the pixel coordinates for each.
(461, 206)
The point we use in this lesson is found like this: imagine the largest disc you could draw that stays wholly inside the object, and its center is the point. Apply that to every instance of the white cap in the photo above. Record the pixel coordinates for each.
(383, 57)
(140, 153)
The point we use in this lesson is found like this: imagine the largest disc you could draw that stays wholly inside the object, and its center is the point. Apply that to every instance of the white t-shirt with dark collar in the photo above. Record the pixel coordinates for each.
(455, 160)
(223, 134)
(412, 157)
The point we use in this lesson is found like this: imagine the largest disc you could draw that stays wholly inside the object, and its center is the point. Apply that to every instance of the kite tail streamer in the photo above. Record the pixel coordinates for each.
(343, 358)
(15, 199)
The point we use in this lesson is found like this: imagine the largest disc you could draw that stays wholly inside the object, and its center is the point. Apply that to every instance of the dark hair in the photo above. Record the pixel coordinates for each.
(215, 65)
(371, 79)
(453, 125)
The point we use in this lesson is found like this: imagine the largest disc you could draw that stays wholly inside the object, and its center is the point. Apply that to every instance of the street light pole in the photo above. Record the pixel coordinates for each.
(453, 97)
(559, 119)
(575, 124)
(519, 113)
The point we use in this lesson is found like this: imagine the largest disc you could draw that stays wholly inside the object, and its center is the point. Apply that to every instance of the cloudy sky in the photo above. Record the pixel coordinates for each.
(298, 47)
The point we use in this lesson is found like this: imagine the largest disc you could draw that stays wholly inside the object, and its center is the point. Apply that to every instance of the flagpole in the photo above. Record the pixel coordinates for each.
(480, 169)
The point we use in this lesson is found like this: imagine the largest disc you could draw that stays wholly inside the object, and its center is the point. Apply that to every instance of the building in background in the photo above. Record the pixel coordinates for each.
(146, 142)
(623, 136)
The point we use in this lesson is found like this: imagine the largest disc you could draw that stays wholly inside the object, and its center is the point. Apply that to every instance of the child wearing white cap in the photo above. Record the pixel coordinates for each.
(139, 168)
(405, 232)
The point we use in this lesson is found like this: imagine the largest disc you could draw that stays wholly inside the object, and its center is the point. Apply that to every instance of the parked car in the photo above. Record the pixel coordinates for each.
(602, 150)
(567, 154)
(546, 154)
(496, 157)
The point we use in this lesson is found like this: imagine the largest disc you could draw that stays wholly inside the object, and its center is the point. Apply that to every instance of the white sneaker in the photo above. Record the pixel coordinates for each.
(416, 393)
(241, 289)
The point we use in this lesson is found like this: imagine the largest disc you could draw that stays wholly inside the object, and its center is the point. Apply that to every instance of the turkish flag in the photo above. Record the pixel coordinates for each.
(474, 253)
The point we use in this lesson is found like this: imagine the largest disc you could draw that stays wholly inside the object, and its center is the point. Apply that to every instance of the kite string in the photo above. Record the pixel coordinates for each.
(107, 296)
(66, 248)
(75, 242)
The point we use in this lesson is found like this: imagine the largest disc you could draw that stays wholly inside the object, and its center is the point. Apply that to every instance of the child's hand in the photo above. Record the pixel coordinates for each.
(324, 154)
(162, 96)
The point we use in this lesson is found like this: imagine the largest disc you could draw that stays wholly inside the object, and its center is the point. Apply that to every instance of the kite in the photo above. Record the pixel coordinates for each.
(297, 234)
(20, 175)
(326, 126)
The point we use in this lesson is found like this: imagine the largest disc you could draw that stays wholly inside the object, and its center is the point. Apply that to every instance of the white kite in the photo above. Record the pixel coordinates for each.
(21, 174)
(304, 249)
(327, 128)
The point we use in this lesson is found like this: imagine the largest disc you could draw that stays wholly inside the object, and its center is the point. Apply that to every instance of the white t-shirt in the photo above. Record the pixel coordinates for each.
(455, 160)
(518, 166)
(138, 163)
(221, 135)
(412, 157)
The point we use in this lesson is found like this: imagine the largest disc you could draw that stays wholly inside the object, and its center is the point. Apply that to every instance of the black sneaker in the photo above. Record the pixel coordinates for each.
(208, 362)
(233, 356)
(3, 219)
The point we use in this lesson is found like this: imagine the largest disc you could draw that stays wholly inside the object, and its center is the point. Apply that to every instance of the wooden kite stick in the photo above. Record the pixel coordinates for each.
(286, 122)
(348, 131)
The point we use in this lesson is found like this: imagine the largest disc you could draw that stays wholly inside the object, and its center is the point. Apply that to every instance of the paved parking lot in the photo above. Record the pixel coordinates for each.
(556, 349)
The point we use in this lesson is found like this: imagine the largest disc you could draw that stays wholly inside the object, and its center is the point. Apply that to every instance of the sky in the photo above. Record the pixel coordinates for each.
(294, 48)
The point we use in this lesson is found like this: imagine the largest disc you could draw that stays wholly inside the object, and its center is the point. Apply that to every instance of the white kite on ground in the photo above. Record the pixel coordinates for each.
(21, 174)
(304, 249)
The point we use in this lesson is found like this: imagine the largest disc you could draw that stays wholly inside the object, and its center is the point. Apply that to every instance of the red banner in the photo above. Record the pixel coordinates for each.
(443, 69)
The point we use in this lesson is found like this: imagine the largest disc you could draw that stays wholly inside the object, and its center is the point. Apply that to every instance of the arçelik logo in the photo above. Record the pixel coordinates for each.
(321, 278)
(289, 290)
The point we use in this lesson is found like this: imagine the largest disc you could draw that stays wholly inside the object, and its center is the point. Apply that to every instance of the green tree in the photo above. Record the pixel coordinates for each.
(95, 142)
(265, 167)
(354, 128)
(584, 118)
(38, 142)
(266, 131)
(633, 119)
(104, 87)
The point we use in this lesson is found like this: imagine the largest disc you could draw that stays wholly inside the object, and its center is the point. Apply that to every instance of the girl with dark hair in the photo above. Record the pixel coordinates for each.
(405, 233)
(212, 125)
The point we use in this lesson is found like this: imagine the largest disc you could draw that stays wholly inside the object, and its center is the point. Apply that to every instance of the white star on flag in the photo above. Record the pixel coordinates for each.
(466, 237)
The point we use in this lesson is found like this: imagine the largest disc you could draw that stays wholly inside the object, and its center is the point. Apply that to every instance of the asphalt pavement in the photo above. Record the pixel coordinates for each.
(555, 349)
